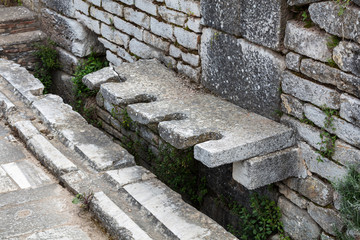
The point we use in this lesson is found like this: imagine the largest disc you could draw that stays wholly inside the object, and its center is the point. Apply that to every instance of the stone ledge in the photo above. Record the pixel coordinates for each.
(220, 131)
(15, 14)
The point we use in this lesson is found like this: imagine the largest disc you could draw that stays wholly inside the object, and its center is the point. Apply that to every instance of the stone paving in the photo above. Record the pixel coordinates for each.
(32, 203)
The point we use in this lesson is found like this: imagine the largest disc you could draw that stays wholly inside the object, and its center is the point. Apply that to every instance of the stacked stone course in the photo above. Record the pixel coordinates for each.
(258, 55)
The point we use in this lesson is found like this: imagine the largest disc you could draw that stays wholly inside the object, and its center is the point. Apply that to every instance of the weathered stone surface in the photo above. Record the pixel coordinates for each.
(232, 68)
(69, 33)
(63, 86)
(129, 175)
(21, 80)
(95, 79)
(325, 168)
(65, 7)
(326, 15)
(264, 170)
(16, 14)
(293, 61)
(5, 104)
(329, 75)
(312, 188)
(309, 91)
(116, 220)
(300, 2)
(50, 156)
(66, 232)
(304, 131)
(294, 197)
(261, 22)
(327, 218)
(180, 218)
(292, 106)
(347, 57)
(350, 109)
(6, 184)
(357, 2)
(344, 130)
(68, 61)
(297, 222)
(26, 130)
(101, 152)
(196, 118)
(324, 236)
(309, 42)
(346, 154)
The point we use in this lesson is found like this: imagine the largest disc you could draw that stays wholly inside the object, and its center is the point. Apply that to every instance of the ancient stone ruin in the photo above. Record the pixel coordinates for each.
(264, 95)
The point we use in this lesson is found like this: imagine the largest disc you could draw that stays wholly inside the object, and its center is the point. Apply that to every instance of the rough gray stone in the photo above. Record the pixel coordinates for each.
(21, 80)
(65, 232)
(6, 184)
(293, 61)
(187, 118)
(301, 2)
(264, 170)
(350, 109)
(26, 130)
(68, 61)
(95, 79)
(309, 91)
(63, 86)
(357, 2)
(5, 104)
(259, 21)
(329, 75)
(292, 106)
(347, 57)
(309, 42)
(16, 14)
(65, 7)
(312, 188)
(297, 222)
(294, 197)
(346, 154)
(324, 236)
(116, 220)
(232, 68)
(129, 175)
(326, 15)
(50, 156)
(69, 33)
(327, 218)
(344, 130)
(179, 217)
(326, 169)
(304, 131)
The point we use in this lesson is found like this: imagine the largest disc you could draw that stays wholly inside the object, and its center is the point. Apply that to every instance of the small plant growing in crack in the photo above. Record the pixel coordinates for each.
(84, 199)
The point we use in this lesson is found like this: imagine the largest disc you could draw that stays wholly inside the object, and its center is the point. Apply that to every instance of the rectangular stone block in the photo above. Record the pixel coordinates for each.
(147, 6)
(309, 42)
(101, 15)
(350, 109)
(190, 7)
(114, 36)
(187, 39)
(65, 7)
(172, 16)
(162, 29)
(155, 41)
(113, 7)
(259, 21)
(136, 17)
(128, 28)
(244, 73)
(82, 6)
(89, 22)
(346, 154)
(292, 106)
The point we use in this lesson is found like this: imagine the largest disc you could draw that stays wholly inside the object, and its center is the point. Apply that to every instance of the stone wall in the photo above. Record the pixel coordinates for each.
(260, 54)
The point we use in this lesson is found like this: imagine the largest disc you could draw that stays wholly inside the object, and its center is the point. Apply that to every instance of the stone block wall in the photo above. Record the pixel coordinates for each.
(261, 55)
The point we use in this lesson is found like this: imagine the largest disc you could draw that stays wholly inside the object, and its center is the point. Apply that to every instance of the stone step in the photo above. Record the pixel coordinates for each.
(184, 221)
(17, 19)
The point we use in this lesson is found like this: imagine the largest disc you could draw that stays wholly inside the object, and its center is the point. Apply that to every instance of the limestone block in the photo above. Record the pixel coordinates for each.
(101, 15)
(92, 24)
(186, 38)
(326, 15)
(192, 73)
(301, 2)
(68, 61)
(26, 130)
(293, 61)
(113, 7)
(82, 6)
(232, 68)
(189, 7)
(292, 106)
(294, 197)
(327, 218)
(347, 57)
(297, 222)
(136, 17)
(172, 16)
(128, 28)
(155, 41)
(162, 29)
(329, 75)
(95, 79)
(350, 109)
(309, 42)
(261, 171)
(122, 177)
(344, 130)
(313, 188)
(113, 58)
(5, 104)
(69, 34)
(194, 24)
(326, 169)
(115, 36)
(259, 21)
(346, 154)
(147, 6)
(309, 91)
(65, 7)
(142, 50)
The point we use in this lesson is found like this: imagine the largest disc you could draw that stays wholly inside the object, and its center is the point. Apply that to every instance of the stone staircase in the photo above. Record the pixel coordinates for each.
(128, 200)
(262, 151)
(19, 30)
